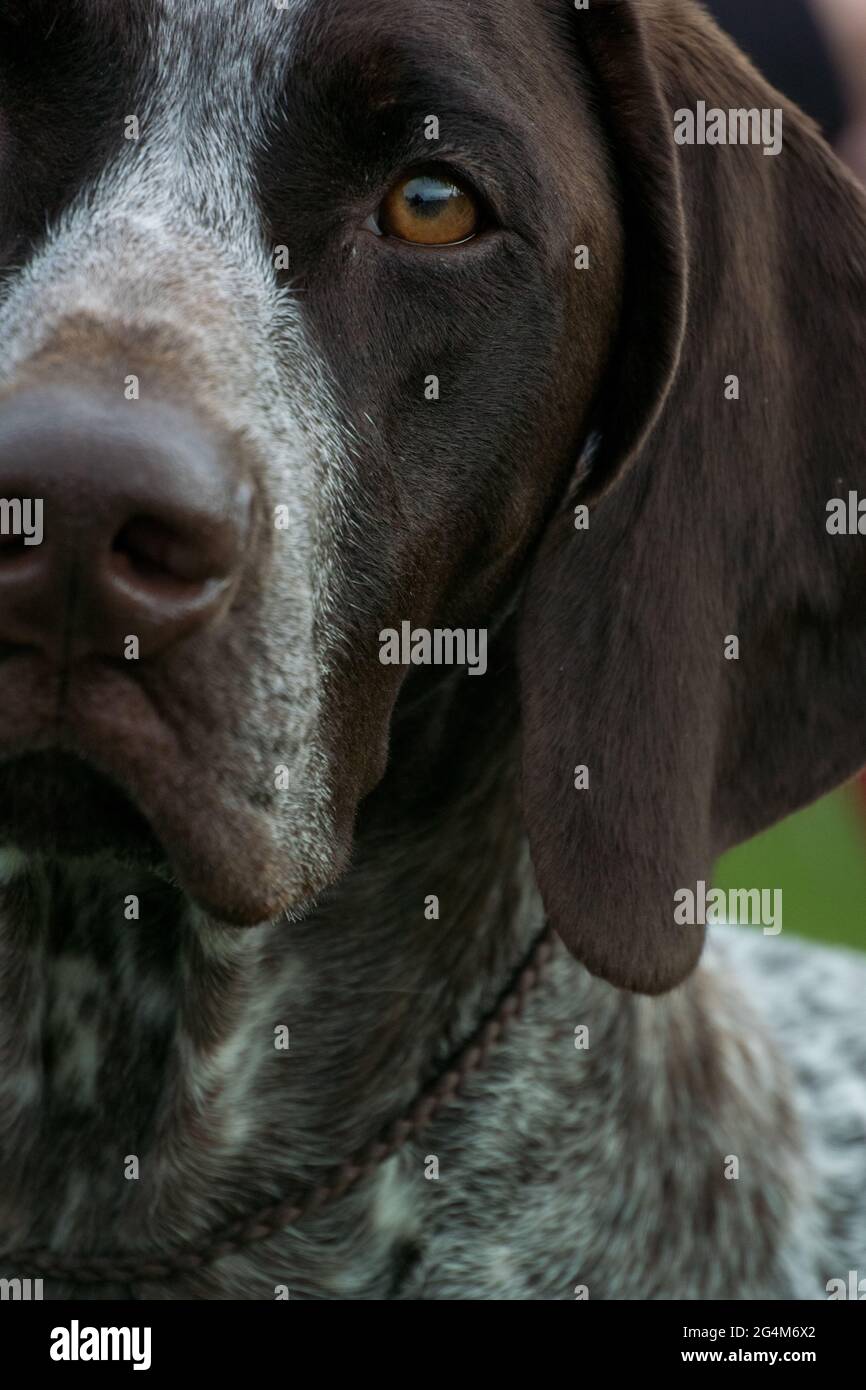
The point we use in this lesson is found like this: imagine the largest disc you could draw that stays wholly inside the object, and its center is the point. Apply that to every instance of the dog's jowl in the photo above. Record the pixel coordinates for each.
(320, 323)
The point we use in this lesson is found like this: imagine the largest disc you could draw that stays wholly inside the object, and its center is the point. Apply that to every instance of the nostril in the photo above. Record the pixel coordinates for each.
(147, 547)
(15, 546)
(157, 552)
(11, 546)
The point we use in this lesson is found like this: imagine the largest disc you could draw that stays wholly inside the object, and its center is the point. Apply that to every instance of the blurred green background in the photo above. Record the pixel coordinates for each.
(818, 859)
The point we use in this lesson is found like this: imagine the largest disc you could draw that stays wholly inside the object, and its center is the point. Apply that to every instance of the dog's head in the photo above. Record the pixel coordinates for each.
(316, 318)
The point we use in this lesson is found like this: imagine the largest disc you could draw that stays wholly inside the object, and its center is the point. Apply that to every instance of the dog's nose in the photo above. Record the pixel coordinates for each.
(118, 520)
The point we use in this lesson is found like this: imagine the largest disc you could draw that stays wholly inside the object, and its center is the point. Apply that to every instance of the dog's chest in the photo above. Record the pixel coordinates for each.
(86, 1030)
(145, 1106)
(155, 1090)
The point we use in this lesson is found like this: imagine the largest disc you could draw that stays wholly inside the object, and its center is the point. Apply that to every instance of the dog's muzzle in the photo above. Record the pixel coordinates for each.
(125, 526)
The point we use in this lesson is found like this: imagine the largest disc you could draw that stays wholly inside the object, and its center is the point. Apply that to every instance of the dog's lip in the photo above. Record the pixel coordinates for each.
(219, 848)
(58, 803)
(155, 840)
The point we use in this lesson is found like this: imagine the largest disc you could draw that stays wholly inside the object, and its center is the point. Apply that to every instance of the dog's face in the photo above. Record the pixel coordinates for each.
(360, 333)
(297, 343)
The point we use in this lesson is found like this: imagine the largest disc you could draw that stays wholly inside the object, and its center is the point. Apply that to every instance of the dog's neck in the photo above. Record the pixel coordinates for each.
(133, 1027)
(163, 1075)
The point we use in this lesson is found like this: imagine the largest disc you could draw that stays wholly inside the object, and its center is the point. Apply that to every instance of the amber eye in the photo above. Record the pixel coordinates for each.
(430, 209)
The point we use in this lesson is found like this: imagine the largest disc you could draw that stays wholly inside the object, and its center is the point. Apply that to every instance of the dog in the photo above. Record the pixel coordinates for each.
(327, 976)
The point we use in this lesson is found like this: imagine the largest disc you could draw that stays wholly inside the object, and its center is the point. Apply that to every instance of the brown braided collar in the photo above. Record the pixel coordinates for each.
(471, 1058)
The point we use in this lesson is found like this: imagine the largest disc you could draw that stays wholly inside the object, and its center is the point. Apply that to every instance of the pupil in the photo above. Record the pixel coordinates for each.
(428, 197)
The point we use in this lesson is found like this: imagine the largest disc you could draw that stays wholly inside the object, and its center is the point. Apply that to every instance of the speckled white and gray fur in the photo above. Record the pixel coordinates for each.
(167, 241)
(560, 1167)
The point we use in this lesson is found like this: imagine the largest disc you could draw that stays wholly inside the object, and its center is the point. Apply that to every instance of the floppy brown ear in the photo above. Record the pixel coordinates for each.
(710, 511)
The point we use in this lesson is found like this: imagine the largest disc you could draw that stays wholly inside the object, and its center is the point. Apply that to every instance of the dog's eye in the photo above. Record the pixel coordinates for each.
(430, 208)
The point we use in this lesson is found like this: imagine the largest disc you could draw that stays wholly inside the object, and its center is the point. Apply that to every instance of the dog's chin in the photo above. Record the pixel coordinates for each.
(57, 808)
